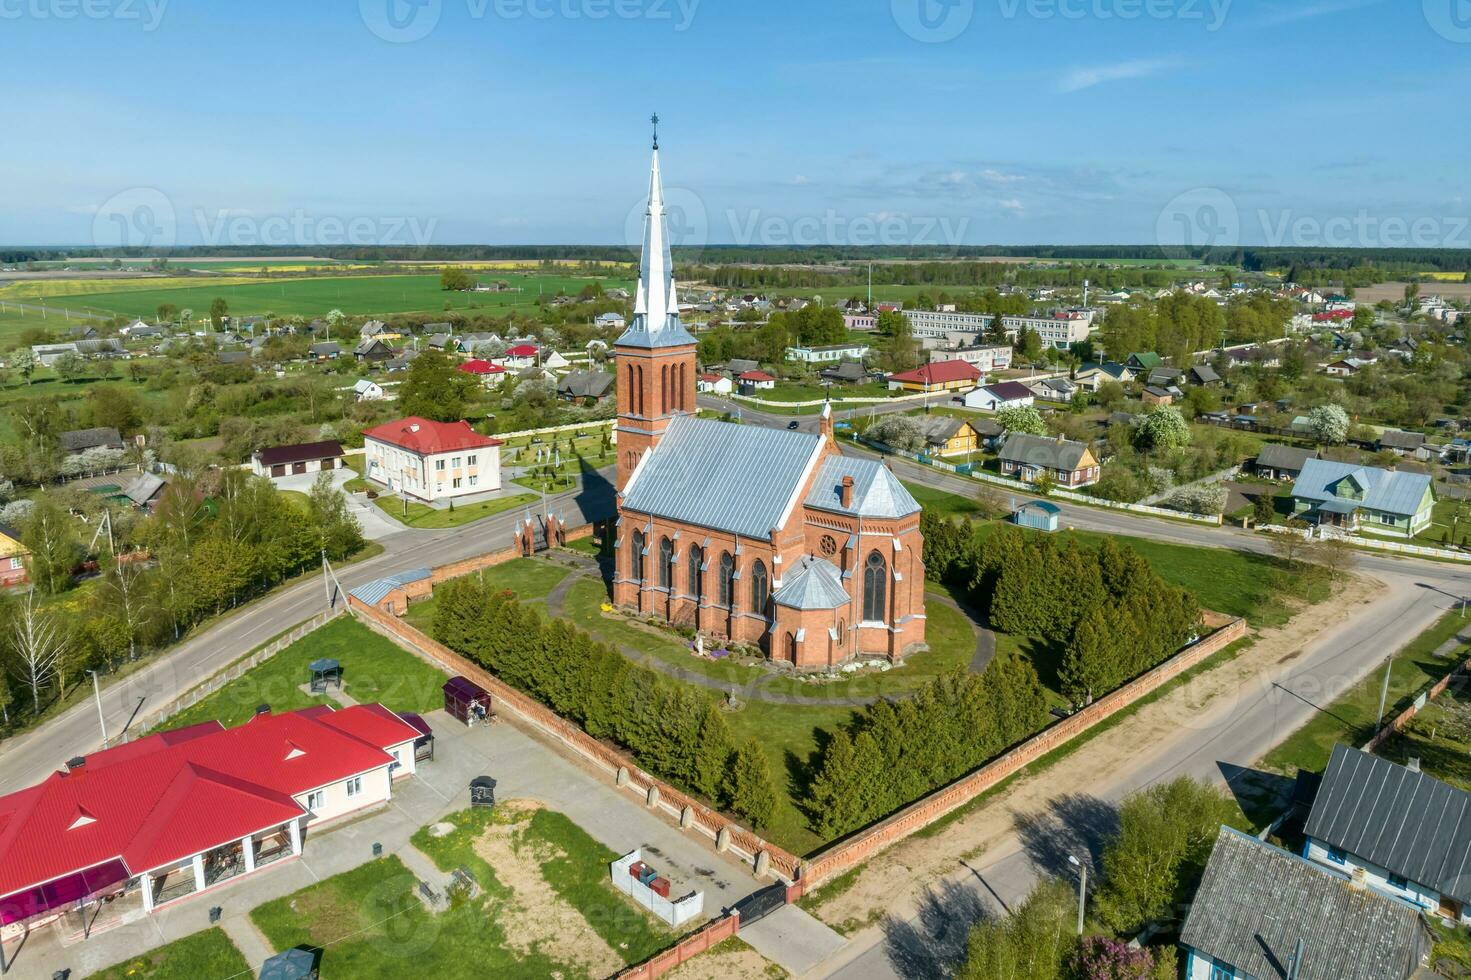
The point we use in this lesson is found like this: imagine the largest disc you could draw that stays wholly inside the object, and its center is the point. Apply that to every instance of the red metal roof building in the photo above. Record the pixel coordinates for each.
(424, 437)
(430, 460)
(174, 813)
(937, 376)
(481, 366)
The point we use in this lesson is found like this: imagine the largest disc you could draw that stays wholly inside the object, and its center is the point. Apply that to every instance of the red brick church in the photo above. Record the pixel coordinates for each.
(759, 536)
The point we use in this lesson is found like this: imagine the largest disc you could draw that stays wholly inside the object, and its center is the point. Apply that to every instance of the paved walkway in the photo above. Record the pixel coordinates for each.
(523, 767)
(793, 939)
(1453, 644)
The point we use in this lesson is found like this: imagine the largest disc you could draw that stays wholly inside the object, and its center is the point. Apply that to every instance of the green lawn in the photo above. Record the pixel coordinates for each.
(1351, 719)
(370, 923)
(942, 503)
(424, 516)
(1444, 520)
(373, 669)
(530, 578)
(354, 295)
(205, 955)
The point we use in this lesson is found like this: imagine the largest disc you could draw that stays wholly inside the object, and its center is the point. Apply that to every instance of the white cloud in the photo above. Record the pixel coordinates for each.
(1081, 78)
(997, 177)
(1012, 205)
(800, 179)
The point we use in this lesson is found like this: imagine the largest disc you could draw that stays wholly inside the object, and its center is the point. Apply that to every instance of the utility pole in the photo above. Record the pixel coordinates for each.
(1383, 694)
(97, 694)
(1082, 888)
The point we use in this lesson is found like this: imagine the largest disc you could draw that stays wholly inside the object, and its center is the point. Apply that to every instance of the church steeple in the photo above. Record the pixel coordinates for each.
(656, 354)
(656, 308)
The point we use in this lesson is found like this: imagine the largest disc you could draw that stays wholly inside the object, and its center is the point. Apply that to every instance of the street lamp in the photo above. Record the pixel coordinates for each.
(1082, 887)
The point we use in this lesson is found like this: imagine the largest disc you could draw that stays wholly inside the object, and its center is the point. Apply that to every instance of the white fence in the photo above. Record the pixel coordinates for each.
(1376, 544)
(675, 912)
(1082, 498)
(507, 436)
(203, 690)
(840, 402)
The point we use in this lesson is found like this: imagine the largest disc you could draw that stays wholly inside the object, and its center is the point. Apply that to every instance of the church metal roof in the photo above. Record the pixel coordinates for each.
(814, 583)
(877, 492)
(735, 478)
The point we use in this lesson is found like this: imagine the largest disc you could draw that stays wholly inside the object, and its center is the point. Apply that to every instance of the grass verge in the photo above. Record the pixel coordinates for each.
(204, 954)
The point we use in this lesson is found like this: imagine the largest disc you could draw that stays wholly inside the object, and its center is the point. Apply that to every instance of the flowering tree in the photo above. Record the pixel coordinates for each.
(1329, 423)
(1024, 419)
(1162, 429)
(1102, 958)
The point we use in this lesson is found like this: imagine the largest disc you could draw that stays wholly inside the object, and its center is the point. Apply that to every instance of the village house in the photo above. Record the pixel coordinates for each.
(755, 381)
(1155, 395)
(488, 373)
(585, 386)
(1053, 389)
(1398, 830)
(48, 354)
(714, 384)
(1263, 912)
(1347, 367)
(1274, 462)
(13, 555)
(764, 537)
(937, 376)
(327, 350)
(307, 457)
(1093, 376)
(846, 373)
(519, 357)
(163, 817)
(994, 398)
(80, 440)
(610, 321)
(946, 435)
(1354, 497)
(368, 391)
(373, 349)
(430, 460)
(1403, 443)
(988, 358)
(1069, 464)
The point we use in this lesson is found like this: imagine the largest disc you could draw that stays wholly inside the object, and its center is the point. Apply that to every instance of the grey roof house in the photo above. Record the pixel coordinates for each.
(1398, 829)
(1357, 497)
(585, 384)
(1276, 462)
(1069, 464)
(1262, 913)
(79, 440)
(1403, 443)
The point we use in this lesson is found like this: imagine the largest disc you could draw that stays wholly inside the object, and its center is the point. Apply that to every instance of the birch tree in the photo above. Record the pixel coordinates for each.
(38, 645)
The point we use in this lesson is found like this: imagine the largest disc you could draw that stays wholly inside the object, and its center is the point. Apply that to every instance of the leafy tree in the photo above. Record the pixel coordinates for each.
(1034, 942)
(1153, 862)
(340, 533)
(218, 310)
(435, 389)
(166, 312)
(69, 367)
(1162, 429)
(752, 794)
(897, 348)
(1029, 345)
(1264, 510)
(24, 361)
(49, 537)
(1329, 424)
(335, 319)
(456, 279)
(1024, 419)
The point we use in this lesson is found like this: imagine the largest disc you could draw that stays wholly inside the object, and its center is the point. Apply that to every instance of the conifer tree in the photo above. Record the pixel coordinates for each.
(752, 794)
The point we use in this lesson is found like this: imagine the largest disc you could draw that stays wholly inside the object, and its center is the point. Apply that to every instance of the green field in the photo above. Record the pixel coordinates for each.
(373, 669)
(354, 295)
(204, 954)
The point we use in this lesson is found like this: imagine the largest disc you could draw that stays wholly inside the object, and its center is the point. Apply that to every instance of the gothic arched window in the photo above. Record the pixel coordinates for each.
(666, 563)
(697, 558)
(636, 560)
(760, 587)
(726, 578)
(875, 582)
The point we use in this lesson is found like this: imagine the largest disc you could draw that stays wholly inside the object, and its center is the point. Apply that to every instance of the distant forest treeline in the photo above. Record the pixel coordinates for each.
(1387, 262)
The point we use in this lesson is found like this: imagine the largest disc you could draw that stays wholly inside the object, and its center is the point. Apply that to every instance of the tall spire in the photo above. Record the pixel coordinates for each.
(656, 307)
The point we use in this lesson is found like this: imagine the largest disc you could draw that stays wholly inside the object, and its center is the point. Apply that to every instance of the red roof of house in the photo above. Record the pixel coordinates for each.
(424, 438)
(940, 372)
(521, 350)
(165, 797)
(756, 376)
(710, 377)
(481, 366)
(1333, 315)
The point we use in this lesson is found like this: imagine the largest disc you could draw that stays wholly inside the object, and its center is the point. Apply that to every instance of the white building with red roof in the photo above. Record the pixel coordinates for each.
(431, 460)
(756, 380)
(164, 817)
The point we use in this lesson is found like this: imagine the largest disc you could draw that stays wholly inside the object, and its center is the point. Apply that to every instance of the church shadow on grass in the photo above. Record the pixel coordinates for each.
(934, 944)
(597, 500)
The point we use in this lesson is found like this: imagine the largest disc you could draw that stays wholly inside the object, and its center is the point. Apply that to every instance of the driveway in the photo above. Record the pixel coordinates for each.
(376, 524)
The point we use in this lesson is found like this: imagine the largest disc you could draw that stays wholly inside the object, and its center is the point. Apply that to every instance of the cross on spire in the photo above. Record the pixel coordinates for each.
(655, 120)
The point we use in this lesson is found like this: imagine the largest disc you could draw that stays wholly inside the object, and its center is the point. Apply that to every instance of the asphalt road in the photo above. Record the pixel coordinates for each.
(28, 758)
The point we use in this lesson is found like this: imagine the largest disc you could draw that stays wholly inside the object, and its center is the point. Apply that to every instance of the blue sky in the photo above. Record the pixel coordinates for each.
(927, 121)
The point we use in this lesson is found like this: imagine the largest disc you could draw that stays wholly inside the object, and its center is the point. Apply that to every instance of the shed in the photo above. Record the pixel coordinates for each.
(1037, 514)
(466, 700)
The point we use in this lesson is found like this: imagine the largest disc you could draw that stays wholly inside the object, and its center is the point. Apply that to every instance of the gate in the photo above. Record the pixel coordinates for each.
(759, 904)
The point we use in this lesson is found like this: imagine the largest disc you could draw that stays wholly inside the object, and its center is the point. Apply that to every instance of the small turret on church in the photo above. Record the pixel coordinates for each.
(655, 356)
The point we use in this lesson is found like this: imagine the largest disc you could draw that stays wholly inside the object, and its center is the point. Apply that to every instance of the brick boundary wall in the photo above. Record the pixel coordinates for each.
(687, 812)
(711, 934)
(1430, 694)
(765, 857)
(924, 812)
